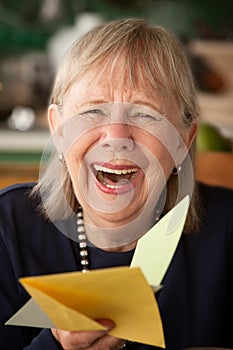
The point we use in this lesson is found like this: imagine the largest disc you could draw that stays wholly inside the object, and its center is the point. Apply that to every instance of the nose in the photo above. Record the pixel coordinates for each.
(117, 138)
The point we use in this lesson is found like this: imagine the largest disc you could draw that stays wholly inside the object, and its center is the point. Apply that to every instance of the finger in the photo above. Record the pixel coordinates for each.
(106, 322)
(107, 342)
(91, 337)
(82, 339)
(78, 340)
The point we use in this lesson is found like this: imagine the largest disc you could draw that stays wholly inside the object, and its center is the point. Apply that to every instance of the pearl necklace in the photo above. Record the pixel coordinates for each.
(82, 240)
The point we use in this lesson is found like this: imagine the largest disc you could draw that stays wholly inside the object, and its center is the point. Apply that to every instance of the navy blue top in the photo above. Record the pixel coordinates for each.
(196, 301)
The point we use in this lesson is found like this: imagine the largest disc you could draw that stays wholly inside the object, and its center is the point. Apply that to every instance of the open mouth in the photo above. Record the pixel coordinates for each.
(116, 177)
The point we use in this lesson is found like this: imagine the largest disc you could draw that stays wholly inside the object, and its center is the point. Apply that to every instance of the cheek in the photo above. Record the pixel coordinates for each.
(77, 146)
(160, 155)
(77, 135)
(77, 160)
(77, 172)
(73, 160)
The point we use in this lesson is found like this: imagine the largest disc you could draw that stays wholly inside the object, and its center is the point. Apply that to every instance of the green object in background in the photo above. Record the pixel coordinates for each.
(209, 138)
(20, 157)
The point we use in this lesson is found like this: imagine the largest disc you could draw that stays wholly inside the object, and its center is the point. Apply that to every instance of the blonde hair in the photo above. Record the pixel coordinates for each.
(149, 53)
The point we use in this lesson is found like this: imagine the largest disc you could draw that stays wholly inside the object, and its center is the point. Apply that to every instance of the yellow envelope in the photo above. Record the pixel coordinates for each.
(73, 301)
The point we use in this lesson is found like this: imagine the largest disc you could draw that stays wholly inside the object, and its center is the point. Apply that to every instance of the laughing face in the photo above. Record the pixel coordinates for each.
(120, 146)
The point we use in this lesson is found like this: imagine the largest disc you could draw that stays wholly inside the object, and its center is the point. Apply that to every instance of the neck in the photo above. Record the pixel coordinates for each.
(118, 238)
(119, 249)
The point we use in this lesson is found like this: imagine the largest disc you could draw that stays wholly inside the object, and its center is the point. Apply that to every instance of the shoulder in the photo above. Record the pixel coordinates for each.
(15, 190)
(12, 195)
(20, 218)
(212, 193)
(216, 209)
(213, 241)
(215, 199)
(16, 203)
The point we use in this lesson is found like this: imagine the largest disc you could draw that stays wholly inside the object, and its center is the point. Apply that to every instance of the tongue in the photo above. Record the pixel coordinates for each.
(115, 177)
(112, 179)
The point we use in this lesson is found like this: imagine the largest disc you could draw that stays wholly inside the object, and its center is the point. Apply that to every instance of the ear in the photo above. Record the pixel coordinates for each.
(55, 125)
(54, 119)
(188, 138)
(190, 135)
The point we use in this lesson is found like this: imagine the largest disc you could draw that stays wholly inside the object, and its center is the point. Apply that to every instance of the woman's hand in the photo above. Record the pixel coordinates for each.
(93, 340)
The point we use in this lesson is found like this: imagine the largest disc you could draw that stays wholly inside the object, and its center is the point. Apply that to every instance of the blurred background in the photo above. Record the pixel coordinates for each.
(34, 35)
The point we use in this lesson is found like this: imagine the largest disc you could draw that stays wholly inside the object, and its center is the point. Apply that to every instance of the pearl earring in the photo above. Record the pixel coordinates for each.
(177, 170)
(61, 157)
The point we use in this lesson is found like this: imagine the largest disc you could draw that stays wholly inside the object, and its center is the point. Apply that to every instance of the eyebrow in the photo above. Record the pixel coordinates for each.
(138, 102)
(92, 102)
(149, 105)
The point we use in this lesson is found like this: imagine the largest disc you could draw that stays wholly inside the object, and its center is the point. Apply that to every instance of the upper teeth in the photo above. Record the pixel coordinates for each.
(114, 171)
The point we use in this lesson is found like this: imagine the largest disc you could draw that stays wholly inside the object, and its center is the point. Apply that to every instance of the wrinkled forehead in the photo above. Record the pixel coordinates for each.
(117, 78)
(113, 86)
(121, 70)
(121, 73)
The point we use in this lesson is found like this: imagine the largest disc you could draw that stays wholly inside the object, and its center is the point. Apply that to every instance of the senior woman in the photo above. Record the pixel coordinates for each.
(123, 119)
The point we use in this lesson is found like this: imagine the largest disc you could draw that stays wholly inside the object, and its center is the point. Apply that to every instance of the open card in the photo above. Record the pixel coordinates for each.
(73, 300)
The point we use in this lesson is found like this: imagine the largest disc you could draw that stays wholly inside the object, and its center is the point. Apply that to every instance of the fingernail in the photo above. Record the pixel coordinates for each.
(109, 324)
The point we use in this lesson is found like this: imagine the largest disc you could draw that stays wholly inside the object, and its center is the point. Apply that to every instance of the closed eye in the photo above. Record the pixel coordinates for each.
(146, 117)
(143, 115)
(94, 116)
(93, 111)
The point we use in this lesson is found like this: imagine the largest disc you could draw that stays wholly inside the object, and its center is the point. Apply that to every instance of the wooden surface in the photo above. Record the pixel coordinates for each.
(215, 168)
(16, 173)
